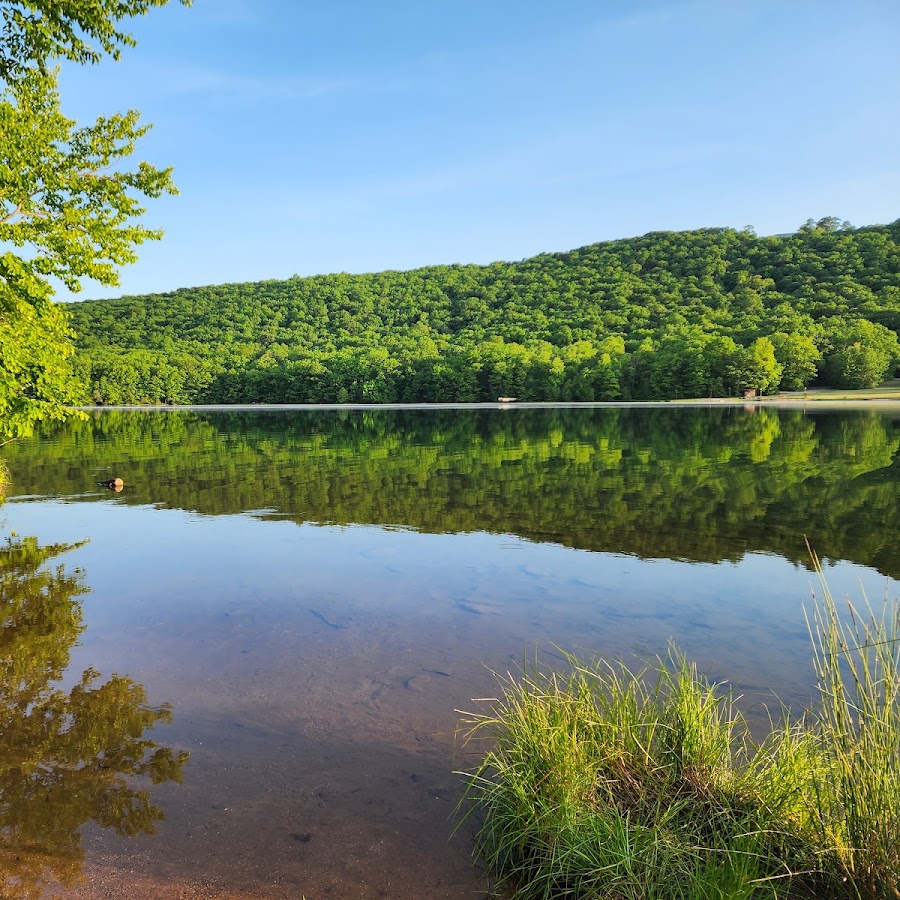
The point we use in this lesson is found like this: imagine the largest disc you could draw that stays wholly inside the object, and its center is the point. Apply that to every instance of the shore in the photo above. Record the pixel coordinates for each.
(813, 400)
(886, 394)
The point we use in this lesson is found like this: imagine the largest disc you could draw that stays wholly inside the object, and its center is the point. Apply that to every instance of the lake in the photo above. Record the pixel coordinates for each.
(286, 609)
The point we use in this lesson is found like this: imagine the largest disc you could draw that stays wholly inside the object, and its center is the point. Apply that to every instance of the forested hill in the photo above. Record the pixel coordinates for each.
(666, 315)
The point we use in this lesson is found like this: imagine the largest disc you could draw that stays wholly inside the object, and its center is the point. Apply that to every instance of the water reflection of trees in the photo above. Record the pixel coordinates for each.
(698, 484)
(67, 756)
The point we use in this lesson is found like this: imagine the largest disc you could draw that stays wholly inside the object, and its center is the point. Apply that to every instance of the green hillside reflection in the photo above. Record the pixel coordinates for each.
(67, 757)
(696, 484)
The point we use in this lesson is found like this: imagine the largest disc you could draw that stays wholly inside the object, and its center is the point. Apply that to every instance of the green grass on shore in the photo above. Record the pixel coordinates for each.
(601, 782)
(888, 390)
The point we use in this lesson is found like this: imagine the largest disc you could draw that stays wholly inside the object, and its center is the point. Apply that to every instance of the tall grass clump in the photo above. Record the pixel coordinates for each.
(857, 664)
(601, 781)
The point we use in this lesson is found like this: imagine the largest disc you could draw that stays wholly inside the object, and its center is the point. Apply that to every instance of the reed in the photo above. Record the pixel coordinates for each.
(857, 793)
(599, 780)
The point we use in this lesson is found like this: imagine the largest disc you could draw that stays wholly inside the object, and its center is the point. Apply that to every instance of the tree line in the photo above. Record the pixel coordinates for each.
(713, 312)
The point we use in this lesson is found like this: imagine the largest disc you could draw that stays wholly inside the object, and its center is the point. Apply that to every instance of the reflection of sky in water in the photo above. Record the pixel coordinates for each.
(166, 582)
(315, 672)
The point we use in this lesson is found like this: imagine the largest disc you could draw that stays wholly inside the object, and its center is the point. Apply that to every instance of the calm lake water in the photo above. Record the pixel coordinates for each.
(314, 594)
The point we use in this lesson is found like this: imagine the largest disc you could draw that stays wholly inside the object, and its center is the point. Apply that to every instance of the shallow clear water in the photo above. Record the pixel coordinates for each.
(316, 594)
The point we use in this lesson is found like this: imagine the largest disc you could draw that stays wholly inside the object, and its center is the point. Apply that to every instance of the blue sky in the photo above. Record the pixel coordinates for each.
(359, 136)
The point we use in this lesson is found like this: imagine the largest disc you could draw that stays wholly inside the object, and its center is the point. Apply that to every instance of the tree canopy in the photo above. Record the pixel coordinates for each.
(35, 31)
(68, 208)
(713, 312)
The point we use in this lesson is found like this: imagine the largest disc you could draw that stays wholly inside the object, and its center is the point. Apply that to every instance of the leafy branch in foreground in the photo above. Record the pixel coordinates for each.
(60, 193)
(602, 782)
(67, 209)
(80, 30)
(65, 213)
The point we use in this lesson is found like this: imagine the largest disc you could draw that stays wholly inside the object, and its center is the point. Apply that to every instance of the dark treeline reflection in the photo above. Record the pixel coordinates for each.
(67, 757)
(696, 484)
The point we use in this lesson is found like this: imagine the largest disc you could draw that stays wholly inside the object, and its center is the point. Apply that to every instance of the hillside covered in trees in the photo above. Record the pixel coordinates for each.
(668, 315)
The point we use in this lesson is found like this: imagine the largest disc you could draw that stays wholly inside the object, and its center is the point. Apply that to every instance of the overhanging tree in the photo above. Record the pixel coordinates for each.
(68, 207)
(37, 30)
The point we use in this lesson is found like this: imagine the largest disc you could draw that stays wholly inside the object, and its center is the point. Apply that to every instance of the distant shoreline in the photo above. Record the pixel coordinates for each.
(779, 402)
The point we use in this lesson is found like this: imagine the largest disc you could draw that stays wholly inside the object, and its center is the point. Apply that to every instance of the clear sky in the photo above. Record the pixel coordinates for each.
(357, 136)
